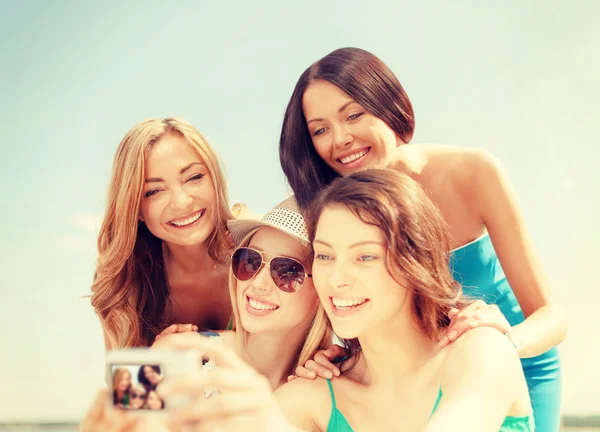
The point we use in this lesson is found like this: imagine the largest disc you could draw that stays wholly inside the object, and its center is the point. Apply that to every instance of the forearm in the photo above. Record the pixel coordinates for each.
(542, 330)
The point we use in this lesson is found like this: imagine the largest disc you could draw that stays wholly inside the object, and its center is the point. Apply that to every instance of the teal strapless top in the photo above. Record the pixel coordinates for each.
(338, 423)
(477, 268)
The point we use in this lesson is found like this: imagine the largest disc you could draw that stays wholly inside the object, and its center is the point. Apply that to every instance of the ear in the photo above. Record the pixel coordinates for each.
(140, 217)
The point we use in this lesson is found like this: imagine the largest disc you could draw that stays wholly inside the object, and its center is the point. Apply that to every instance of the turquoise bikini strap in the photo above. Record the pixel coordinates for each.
(331, 393)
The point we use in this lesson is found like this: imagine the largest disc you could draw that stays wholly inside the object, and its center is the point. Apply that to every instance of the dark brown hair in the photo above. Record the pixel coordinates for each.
(368, 81)
(415, 235)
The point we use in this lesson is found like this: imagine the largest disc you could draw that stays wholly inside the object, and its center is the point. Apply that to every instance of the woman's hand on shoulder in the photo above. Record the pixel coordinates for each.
(321, 365)
(477, 314)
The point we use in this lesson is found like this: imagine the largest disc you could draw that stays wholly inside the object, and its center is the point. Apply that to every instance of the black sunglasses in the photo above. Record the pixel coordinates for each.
(138, 395)
(287, 273)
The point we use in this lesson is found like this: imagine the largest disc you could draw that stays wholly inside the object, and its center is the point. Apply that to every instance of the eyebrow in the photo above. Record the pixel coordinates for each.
(182, 171)
(342, 108)
(362, 243)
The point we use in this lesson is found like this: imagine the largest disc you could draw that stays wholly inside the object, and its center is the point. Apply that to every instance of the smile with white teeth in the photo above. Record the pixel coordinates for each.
(189, 220)
(347, 303)
(355, 156)
(261, 306)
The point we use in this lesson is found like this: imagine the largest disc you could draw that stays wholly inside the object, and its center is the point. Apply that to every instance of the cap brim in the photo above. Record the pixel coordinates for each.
(240, 228)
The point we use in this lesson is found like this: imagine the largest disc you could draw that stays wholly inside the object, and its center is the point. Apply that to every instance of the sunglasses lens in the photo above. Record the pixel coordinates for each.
(137, 396)
(245, 263)
(287, 274)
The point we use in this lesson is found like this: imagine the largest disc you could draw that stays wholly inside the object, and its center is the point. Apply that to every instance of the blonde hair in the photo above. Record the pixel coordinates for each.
(318, 334)
(139, 388)
(130, 292)
(117, 375)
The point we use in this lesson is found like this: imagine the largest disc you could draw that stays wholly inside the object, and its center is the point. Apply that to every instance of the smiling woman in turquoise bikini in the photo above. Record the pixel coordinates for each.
(349, 112)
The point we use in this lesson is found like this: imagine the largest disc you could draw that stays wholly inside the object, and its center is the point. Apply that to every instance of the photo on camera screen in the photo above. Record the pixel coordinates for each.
(134, 386)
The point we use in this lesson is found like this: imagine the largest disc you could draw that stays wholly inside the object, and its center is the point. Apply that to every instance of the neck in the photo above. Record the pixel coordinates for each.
(409, 160)
(394, 352)
(188, 259)
(274, 355)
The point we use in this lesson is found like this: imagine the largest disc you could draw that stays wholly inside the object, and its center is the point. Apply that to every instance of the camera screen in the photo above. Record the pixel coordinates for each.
(134, 386)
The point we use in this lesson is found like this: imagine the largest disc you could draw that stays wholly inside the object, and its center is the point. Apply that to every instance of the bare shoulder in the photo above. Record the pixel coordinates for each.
(484, 358)
(306, 403)
(488, 357)
(462, 162)
(483, 344)
(312, 392)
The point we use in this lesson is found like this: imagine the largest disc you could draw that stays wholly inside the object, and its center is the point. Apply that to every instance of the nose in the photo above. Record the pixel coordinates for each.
(339, 279)
(341, 137)
(262, 282)
(181, 199)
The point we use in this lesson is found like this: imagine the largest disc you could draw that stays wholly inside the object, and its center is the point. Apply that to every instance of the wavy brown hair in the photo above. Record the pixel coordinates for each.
(368, 81)
(130, 292)
(415, 235)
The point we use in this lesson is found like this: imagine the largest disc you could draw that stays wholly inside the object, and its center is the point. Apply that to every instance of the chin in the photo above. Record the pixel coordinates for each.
(194, 239)
(345, 332)
(262, 325)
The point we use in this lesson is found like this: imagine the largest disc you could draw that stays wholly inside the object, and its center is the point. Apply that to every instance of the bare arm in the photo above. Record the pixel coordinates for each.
(497, 204)
(482, 381)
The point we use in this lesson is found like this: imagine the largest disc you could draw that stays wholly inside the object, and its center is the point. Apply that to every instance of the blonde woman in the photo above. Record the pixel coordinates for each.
(163, 244)
(279, 320)
(121, 386)
(137, 396)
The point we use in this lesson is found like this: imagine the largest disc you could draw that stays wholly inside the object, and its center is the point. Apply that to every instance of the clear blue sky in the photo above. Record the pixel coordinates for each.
(517, 78)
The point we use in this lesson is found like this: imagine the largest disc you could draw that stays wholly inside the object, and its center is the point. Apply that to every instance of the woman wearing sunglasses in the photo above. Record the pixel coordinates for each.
(278, 317)
(137, 396)
(271, 290)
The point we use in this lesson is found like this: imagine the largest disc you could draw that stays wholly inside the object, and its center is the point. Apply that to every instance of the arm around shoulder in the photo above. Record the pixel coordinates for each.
(497, 204)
